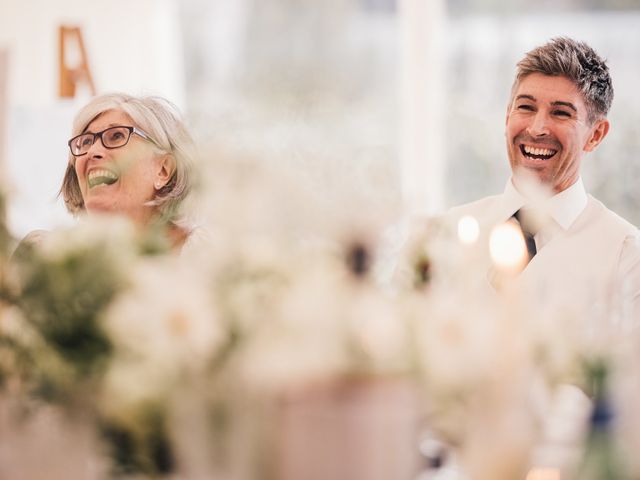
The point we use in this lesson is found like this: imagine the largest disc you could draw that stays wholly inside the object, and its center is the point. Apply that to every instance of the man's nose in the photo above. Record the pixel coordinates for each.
(539, 125)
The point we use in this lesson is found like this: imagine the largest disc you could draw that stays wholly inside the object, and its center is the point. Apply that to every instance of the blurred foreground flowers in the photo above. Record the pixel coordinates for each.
(269, 350)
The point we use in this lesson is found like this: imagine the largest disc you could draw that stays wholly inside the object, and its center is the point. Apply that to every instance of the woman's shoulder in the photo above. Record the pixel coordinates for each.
(30, 240)
(198, 238)
(35, 236)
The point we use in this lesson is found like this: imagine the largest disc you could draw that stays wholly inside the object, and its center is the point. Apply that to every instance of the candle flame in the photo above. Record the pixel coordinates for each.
(468, 230)
(543, 474)
(507, 247)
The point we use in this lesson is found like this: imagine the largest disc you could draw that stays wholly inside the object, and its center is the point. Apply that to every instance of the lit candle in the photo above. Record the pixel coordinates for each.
(468, 230)
(543, 474)
(507, 247)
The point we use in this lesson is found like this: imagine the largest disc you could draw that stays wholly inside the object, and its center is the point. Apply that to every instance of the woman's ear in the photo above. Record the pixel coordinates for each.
(166, 167)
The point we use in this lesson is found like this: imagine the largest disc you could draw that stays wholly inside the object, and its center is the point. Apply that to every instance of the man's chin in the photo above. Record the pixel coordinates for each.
(531, 183)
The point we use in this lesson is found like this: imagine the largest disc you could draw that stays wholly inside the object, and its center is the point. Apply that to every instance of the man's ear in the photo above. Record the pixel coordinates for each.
(599, 130)
(166, 167)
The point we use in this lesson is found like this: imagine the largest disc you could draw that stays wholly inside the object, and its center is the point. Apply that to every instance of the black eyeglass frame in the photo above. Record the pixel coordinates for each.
(97, 135)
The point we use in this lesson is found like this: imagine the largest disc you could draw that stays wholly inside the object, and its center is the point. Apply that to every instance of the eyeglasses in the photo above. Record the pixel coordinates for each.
(112, 137)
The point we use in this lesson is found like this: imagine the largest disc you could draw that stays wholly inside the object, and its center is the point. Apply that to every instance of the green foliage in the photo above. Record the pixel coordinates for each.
(140, 444)
(5, 237)
(62, 297)
(602, 457)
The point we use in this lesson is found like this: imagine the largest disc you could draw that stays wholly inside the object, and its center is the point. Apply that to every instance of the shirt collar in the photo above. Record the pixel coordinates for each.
(564, 207)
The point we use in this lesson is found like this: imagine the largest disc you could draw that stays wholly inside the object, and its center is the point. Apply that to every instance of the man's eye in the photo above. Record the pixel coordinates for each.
(526, 108)
(562, 113)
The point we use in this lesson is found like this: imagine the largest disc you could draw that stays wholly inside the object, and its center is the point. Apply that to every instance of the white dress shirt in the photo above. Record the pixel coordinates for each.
(561, 210)
(586, 254)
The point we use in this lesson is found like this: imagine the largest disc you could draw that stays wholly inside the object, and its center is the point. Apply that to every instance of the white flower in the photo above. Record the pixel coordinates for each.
(166, 317)
(379, 330)
(114, 234)
(304, 338)
(463, 341)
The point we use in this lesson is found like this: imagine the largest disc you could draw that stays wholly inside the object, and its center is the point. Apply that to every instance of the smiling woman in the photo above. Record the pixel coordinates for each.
(130, 156)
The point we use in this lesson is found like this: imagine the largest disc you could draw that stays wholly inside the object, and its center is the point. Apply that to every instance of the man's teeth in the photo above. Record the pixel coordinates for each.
(541, 152)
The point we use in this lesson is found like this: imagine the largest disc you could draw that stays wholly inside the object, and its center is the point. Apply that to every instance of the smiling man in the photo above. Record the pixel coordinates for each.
(580, 253)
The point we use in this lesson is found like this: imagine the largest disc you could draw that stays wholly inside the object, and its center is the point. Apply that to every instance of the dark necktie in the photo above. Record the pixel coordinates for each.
(527, 233)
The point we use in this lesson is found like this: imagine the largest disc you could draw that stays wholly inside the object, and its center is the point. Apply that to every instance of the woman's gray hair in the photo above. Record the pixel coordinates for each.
(159, 119)
(578, 62)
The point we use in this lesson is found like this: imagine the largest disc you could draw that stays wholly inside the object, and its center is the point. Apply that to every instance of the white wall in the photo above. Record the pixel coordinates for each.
(132, 45)
(3, 115)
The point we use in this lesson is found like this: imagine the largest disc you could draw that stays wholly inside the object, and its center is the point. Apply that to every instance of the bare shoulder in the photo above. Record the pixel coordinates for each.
(30, 240)
(35, 236)
(198, 240)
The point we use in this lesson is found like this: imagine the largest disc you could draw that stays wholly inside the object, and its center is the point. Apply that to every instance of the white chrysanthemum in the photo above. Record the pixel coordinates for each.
(462, 344)
(132, 381)
(115, 235)
(166, 317)
(304, 339)
(250, 285)
(379, 331)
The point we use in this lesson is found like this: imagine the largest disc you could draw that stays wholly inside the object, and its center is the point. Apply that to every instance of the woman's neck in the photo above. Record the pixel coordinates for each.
(177, 236)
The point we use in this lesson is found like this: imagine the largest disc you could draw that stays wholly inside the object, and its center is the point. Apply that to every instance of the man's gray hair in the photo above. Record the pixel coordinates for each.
(159, 119)
(578, 62)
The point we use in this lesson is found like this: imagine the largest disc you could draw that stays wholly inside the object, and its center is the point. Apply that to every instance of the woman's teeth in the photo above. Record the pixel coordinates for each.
(99, 177)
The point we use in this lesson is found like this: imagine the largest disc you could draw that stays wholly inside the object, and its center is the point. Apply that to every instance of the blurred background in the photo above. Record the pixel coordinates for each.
(373, 104)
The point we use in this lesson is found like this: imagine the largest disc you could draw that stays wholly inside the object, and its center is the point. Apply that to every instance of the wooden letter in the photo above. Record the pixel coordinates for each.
(70, 77)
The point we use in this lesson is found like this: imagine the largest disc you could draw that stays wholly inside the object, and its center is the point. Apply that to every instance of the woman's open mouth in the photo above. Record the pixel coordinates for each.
(101, 177)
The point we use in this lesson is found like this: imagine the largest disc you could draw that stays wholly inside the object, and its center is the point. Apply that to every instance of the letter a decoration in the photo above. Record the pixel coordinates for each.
(70, 39)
